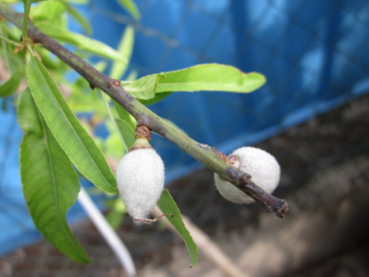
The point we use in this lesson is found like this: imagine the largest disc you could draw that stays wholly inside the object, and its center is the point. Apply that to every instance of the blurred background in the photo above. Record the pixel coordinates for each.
(312, 115)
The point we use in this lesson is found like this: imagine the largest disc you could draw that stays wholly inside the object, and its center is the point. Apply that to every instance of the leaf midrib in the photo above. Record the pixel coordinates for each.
(60, 221)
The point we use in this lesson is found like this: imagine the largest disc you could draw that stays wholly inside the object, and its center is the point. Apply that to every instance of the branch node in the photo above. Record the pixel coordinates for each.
(246, 179)
(283, 210)
(234, 161)
(142, 131)
(113, 82)
(220, 155)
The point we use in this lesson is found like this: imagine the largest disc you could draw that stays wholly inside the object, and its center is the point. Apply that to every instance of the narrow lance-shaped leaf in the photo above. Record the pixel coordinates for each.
(158, 97)
(116, 213)
(167, 205)
(210, 77)
(127, 132)
(78, 17)
(124, 115)
(82, 42)
(130, 6)
(10, 86)
(50, 11)
(125, 48)
(12, 62)
(50, 184)
(72, 137)
(143, 88)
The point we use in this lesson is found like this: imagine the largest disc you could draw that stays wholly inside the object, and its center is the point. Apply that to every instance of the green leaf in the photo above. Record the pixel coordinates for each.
(72, 137)
(215, 77)
(127, 132)
(32, 1)
(125, 48)
(11, 86)
(132, 75)
(80, 2)
(9, 1)
(113, 146)
(82, 42)
(78, 17)
(11, 32)
(124, 115)
(210, 77)
(158, 97)
(115, 215)
(121, 132)
(143, 88)
(130, 6)
(50, 184)
(13, 62)
(82, 100)
(49, 61)
(48, 10)
(167, 205)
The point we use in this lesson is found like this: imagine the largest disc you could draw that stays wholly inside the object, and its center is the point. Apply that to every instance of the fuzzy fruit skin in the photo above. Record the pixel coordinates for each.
(140, 179)
(263, 168)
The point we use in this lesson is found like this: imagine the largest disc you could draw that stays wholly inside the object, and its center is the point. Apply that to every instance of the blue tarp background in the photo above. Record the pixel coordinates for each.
(313, 53)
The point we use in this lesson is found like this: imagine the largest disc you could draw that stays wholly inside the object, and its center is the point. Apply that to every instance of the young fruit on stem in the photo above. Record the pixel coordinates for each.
(263, 168)
(140, 177)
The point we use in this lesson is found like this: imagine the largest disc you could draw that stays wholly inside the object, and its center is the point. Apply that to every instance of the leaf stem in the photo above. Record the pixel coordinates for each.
(27, 9)
(201, 152)
(4, 39)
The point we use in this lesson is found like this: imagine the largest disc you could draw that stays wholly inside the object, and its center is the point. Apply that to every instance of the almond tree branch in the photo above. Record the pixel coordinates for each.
(203, 153)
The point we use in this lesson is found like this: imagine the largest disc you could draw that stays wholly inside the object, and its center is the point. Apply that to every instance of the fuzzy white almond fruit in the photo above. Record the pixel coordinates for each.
(140, 178)
(263, 168)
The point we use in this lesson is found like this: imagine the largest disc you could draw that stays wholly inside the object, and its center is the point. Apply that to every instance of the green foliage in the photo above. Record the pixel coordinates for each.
(143, 88)
(78, 17)
(115, 216)
(48, 11)
(81, 42)
(211, 77)
(125, 48)
(124, 115)
(168, 206)
(75, 141)
(48, 17)
(50, 184)
(55, 139)
(130, 6)
(9, 87)
(84, 100)
(12, 61)
(113, 146)
(126, 131)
